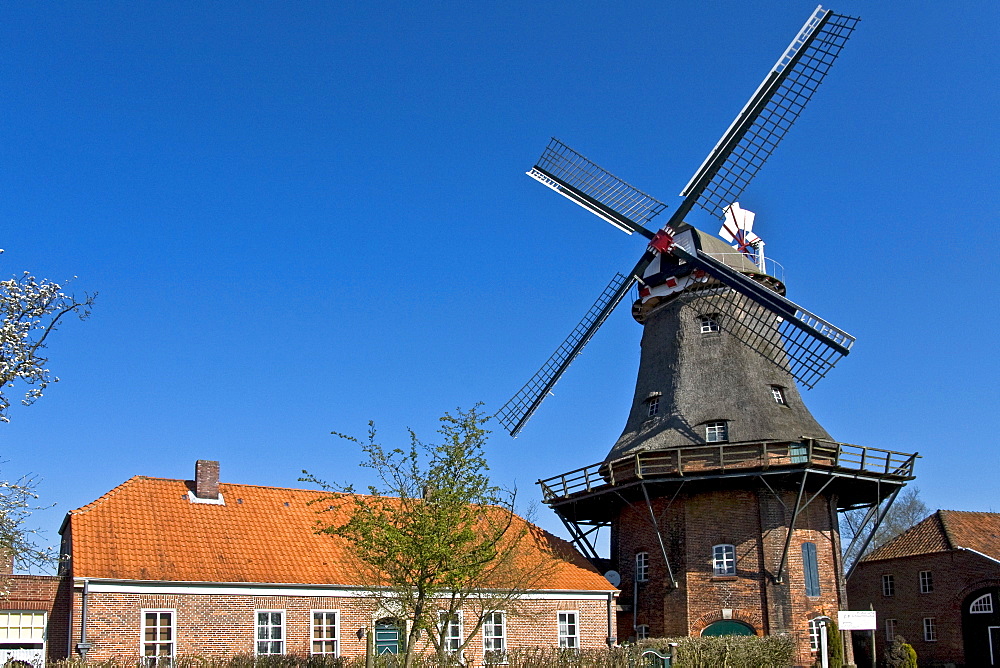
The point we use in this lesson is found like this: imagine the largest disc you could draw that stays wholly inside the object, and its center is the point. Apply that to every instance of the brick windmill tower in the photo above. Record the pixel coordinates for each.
(722, 494)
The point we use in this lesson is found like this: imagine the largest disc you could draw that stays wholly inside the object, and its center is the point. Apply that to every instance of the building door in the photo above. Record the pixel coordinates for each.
(388, 637)
(994, 632)
(981, 627)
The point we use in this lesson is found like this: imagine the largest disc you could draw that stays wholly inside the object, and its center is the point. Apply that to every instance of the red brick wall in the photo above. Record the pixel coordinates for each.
(956, 574)
(42, 593)
(223, 625)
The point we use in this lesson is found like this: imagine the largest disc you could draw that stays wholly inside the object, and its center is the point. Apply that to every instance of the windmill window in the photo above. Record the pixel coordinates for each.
(652, 406)
(814, 635)
(717, 432)
(982, 605)
(641, 566)
(930, 629)
(926, 582)
(888, 585)
(778, 393)
(810, 569)
(709, 323)
(723, 560)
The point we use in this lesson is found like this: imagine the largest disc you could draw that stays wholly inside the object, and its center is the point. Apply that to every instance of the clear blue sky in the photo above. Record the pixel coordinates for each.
(302, 216)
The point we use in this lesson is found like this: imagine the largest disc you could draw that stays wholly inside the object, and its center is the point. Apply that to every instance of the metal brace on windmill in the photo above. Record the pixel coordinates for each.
(722, 493)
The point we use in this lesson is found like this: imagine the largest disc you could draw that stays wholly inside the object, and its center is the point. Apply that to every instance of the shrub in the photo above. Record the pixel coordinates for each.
(900, 654)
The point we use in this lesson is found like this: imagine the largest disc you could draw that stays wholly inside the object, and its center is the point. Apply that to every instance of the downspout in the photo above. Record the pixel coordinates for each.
(612, 640)
(83, 645)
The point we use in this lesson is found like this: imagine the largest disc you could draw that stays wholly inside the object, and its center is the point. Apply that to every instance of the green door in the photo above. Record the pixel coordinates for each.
(388, 638)
(728, 627)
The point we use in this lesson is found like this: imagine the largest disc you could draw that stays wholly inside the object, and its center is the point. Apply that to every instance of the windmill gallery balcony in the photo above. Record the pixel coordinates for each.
(853, 470)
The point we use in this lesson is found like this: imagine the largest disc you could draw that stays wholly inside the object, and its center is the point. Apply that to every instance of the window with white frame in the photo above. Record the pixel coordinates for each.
(270, 632)
(778, 394)
(814, 635)
(930, 629)
(642, 631)
(324, 632)
(641, 566)
(158, 637)
(890, 630)
(888, 585)
(717, 431)
(569, 631)
(982, 605)
(724, 560)
(22, 629)
(450, 624)
(709, 323)
(494, 635)
(652, 406)
(926, 582)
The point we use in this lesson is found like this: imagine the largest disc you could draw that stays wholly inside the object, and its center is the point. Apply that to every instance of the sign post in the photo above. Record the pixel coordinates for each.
(858, 620)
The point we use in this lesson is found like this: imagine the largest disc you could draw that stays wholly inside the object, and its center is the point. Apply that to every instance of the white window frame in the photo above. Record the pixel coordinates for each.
(930, 629)
(890, 629)
(888, 585)
(642, 632)
(490, 649)
(709, 323)
(152, 660)
(814, 635)
(778, 394)
(642, 566)
(717, 431)
(926, 582)
(724, 560)
(565, 621)
(32, 614)
(256, 632)
(313, 639)
(982, 605)
(451, 642)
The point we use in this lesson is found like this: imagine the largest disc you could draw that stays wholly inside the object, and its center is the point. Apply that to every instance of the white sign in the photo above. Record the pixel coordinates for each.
(856, 620)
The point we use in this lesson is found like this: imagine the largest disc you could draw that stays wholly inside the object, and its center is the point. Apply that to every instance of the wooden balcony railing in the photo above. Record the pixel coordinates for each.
(718, 458)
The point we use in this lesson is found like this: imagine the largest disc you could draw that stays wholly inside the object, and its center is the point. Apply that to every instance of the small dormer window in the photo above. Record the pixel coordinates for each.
(709, 323)
(778, 393)
(717, 432)
(652, 406)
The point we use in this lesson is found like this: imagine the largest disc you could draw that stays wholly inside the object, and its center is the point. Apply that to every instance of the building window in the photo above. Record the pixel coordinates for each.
(709, 323)
(814, 635)
(324, 632)
(569, 632)
(641, 566)
(810, 569)
(652, 406)
(930, 629)
(778, 393)
(642, 632)
(270, 632)
(157, 636)
(888, 585)
(982, 605)
(724, 560)
(494, 636)
(890, 630)
(451, 630)
(26, 630)
(717, 432)
(926, 582)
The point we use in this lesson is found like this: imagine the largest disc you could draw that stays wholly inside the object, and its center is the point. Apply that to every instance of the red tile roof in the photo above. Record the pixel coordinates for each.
(147, 529)
(943, 531)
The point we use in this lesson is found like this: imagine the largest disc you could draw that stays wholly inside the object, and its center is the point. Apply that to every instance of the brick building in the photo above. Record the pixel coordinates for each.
(160, 567)
(937, 585)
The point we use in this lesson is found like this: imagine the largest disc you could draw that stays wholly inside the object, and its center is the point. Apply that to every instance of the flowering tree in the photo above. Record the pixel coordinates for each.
(31, 310)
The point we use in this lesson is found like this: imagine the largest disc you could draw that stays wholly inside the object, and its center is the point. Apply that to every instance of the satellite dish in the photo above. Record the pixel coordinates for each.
(614, 577)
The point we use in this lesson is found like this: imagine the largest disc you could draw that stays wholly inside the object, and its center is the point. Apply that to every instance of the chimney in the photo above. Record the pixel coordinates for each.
(206, 479)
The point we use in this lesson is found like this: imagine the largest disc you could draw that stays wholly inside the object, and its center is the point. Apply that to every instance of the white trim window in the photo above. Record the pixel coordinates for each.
(642, 632)
(325, 633)
(495, 636)
(709, 323)
(890, 630)
(450, 627)
(716, 431)
(888, 585)
(982, 605)
(270, 632)
(641, 566)
(926, 582)
(814, 635)
(778, 394)
(569, 629)
(930, 629)
(159, 637)
(723, 560)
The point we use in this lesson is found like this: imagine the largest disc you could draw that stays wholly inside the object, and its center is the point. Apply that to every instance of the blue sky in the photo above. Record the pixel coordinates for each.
(302, 216)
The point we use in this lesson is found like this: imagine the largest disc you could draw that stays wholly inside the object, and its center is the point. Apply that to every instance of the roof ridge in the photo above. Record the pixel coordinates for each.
(946, 528)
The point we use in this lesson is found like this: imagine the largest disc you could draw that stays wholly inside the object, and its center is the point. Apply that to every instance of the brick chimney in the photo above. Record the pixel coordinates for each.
(206, 479)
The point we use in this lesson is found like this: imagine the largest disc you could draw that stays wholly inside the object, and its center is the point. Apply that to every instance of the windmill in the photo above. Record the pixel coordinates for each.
(811, 345)
(722, 493)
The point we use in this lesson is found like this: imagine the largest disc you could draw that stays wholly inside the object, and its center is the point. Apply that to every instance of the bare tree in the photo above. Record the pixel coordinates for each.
(907, 510)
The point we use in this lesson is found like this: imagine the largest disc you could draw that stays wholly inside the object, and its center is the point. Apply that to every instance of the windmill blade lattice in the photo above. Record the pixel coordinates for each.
(515, 413)
(769, 114)
(596, 189)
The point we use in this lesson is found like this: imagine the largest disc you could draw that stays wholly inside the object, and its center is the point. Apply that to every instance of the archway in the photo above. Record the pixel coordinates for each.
(728, 627)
